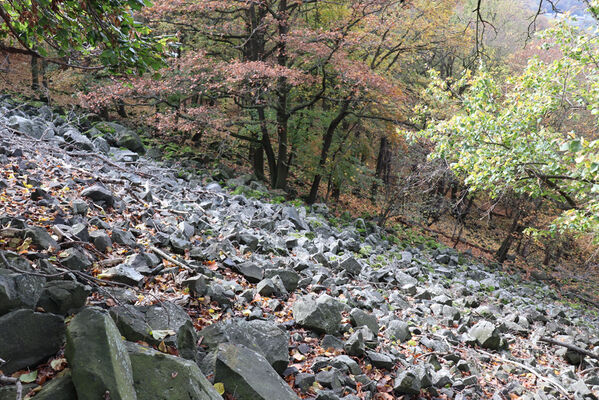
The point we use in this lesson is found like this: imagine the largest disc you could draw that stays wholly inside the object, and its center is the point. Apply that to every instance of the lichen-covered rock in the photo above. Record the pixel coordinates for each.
(321, 315)
(248, 376)
(98, 357)
(158, 376)
(264, 337)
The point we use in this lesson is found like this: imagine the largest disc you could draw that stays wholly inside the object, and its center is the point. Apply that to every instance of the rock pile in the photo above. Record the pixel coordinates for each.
(181, 289)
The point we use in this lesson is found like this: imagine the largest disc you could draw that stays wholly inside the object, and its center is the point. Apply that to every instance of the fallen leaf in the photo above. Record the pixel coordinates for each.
(220, 388)
(28, 378)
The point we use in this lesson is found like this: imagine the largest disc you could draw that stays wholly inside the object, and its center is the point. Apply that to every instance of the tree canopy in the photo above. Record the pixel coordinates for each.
(68, 32)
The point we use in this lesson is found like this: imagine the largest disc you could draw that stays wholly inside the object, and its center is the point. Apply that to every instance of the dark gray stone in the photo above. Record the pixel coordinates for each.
(351, 265)
(263, 337)
(290, 278)
(98, 357)
(159, 376)
(361, 318)
(187, 341)
(19, 290)
(398, 330)
(28, 338)
(248, 376)
(101, 240)
(59, 388)
(75, 259)
(99, 194)
(407, 383)
(41, 238)
(321, 315)
(123, 237)
(123, 273)
(63, 297)
(137, 322)
(251, 271)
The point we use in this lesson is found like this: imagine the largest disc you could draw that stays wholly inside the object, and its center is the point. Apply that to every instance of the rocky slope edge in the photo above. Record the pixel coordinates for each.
(182, 290)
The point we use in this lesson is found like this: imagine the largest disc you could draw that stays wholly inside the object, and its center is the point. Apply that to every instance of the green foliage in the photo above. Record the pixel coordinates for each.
(104, 29)
(510, 137)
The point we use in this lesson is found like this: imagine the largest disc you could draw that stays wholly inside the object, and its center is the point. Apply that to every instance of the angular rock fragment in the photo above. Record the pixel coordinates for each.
(158, 376)
(98, 357)
(248, 376)
(322, 314)
(28, 338)
(263, 337)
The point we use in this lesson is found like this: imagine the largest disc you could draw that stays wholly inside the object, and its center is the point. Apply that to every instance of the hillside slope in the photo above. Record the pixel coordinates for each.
(282, 304)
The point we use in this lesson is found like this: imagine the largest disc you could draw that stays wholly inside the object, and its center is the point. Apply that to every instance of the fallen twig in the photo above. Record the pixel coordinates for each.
(15, 381)
(570, 347)
(171, 259)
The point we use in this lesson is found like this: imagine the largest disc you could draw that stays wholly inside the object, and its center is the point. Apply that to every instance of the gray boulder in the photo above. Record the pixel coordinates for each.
(28, 338)
(321, 315)
(486, 335)
(59, 388)
(351, 265)
(158, 376)
(63, 297)
(290, 278)
(251, 271)
(139, 322)
(98, 357)
(75, 259)
(99, 194)
(123, 273)
(398, 330)
(362, 318)
(248, 376)
(407, 383)
(41, 238)
(187, 341)
(263, 337)
(74, 137)
(19, 290)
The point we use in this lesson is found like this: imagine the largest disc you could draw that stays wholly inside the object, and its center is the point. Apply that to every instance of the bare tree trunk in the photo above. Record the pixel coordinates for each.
(326, 145)
(383, 165)
(120, 109)
(35, 77)
(515, 229)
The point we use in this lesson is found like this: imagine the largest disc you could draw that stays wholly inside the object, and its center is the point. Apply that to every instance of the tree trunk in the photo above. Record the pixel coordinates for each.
(120, 109)
(257, 156)
(267, 147)
(383, 165)
(35, 73)
(283, 98)
(515, 229)
(326, 145)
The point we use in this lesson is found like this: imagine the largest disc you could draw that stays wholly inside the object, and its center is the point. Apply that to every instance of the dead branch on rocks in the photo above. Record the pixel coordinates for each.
(570, 347)
(14, 381)
(171, 259)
